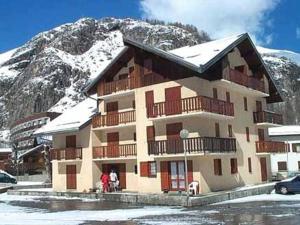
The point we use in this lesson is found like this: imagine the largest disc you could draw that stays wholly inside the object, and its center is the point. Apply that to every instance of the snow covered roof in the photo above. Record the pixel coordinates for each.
(201, 54)
(284, 130)
(5, 150)
(72, 119)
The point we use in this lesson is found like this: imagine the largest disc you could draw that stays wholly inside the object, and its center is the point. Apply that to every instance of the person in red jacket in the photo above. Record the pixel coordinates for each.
(105, 182)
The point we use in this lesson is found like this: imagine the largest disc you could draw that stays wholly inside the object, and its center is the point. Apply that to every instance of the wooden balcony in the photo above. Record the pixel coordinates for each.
(66, 154)
(114, 151)
(188, 105)
(244, 80)
(271, 147)
(192, 145)
(267, 117)
(113, 119)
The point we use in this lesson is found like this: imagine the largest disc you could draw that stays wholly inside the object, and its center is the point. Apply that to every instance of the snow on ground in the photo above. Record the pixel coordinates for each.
(264, 197)
(16, 215)
(253, 186)
(37, 189)
(29, 183)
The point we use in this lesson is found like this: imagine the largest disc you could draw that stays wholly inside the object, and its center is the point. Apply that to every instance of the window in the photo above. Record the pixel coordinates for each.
(249, 165)
(282, 166)
(135, 169)
(147, 66)
(217, 129)
(245, 104)
(215, 93)
(230, 134)
(233, 165)
(247, 134)
(134, 136)
(227, 96)
(148, 169)
(261, 134)
(133, 104)
(296, 147)
(298, 165)
(218, 167)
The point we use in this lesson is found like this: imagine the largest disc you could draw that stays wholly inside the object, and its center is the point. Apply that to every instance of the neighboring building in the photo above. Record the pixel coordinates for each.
(27, 148)
(218, 91)
(286, 163)
(5, 153)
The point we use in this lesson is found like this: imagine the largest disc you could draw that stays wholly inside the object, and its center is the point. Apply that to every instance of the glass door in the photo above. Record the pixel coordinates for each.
(177, 176)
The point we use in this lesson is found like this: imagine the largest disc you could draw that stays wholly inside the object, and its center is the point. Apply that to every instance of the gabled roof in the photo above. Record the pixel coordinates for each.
(284, 130)
(198, 58)
(71, 120)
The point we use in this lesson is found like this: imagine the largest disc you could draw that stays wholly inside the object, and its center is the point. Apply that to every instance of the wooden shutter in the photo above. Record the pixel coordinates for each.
(144, 169)
(71, 141)
(234, 166)
(263, 168)
(218, 167)
(247, 134)
(150, 133)
(245, 104)
(230, 134)
(164, 175)
(122, 175)
(217, 129)
(190, 171)
(215, 93)
(261, 134)
(173, 101)
(227, 96)
(71, 176)
(249, 165)
(149, 96)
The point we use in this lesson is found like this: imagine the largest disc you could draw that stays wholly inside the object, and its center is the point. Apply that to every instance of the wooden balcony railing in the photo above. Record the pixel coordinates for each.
(113, 119)
(114, 151)
(271, 147)
(267, 117)
(67, 153)
(192, 145)
(192, 104)
(244, 80)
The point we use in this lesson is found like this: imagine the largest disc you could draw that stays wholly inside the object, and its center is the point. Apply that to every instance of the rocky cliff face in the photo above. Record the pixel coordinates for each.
(49, 71)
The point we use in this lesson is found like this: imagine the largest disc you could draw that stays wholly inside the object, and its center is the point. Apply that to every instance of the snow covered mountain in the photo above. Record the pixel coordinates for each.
(285, 68)
(50, 70)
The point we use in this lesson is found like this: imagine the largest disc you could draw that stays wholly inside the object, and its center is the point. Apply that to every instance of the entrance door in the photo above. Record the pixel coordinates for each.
(120, 169)
(174, 142)
(263, 168)
(177, 176)
(113, 145)
(173, 101)
(112, 113)
(261, 134)
(71, 176)
(71, 141)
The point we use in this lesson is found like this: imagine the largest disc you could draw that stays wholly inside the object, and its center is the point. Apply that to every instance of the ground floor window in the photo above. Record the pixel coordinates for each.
(177, 175)
(282, 166)
(218, 167)
(249, 165)
(296, 147)
(234, 165)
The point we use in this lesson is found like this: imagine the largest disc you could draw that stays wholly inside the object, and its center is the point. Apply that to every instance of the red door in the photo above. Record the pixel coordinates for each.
(112, 113)
(174, 142)
(113, 145)
(173, 101)
(149, 96)
(263, 168)
(71, 176)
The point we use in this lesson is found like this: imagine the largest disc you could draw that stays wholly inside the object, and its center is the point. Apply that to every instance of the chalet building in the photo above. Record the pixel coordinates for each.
(27, 148)
(218, 91)
(284, 164)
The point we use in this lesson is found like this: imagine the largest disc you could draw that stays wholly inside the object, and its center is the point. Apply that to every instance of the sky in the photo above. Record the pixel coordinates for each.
(271, 23)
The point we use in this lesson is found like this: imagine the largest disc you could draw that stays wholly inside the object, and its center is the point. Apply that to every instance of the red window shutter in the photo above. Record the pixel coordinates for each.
(164, 175)
(144, 169)
(249, 165)
(233, 164)
(190, 171)
(122, 174)
(150, 133)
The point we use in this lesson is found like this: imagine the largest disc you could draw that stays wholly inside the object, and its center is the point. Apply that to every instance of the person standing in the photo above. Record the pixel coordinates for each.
(105, 181)
(113, 179)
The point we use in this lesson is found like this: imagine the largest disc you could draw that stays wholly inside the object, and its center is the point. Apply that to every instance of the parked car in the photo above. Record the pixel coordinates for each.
(7, 178)
(291, 185)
